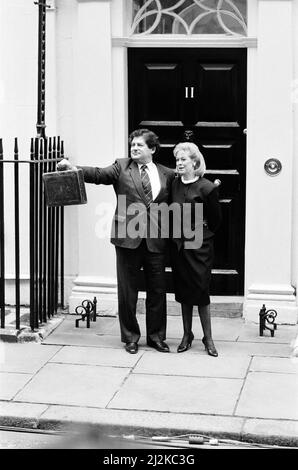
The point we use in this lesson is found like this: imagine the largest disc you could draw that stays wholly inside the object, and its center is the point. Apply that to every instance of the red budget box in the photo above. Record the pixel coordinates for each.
(65, 188)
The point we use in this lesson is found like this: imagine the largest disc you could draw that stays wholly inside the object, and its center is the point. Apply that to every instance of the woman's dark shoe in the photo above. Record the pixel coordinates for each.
(185, 343)
(209, 347)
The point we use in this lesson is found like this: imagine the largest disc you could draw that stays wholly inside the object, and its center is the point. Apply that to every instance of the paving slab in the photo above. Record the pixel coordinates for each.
(26, 358)
(96, 356)
(98, 340)
(283, 334)
(72, 339)
(275, 364)
(141, 422)
(178, 394)
(267, 395)
(104, 325)
(223, 328)
(11, 384)
(193, 364)
(77, 385)
(226, 329)
(21, 414)
(237, 348)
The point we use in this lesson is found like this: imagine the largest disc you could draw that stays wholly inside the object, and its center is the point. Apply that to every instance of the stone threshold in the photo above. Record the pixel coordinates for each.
(220, 306)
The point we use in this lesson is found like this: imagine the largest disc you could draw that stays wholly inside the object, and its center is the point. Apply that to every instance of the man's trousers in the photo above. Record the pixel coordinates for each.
(129, 263)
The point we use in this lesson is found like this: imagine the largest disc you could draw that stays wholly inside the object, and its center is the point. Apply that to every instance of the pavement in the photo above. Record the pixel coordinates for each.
(82, 377)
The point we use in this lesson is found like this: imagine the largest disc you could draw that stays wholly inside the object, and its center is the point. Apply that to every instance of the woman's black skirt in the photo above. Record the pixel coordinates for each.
(192, 273)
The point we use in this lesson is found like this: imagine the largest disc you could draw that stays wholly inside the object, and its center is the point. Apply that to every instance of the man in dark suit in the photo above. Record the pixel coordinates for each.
(138, 182)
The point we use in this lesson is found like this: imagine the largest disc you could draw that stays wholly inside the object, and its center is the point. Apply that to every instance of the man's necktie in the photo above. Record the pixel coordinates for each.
(146, 184)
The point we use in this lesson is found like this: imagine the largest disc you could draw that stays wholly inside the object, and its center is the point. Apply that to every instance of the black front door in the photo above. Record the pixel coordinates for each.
(203, 90)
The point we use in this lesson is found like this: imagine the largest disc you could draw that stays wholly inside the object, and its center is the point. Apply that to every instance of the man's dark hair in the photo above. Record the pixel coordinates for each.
(150, 138)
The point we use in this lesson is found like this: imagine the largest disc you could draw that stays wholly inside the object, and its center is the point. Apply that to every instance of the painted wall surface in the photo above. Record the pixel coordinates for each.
(85, 118)
(18, 98)
(269, 218)
(295, 160)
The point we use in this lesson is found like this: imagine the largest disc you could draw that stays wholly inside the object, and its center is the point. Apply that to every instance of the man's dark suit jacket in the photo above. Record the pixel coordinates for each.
(124, 175)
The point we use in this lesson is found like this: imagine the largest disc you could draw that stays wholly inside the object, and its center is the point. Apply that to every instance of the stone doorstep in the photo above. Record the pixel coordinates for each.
(219, 308)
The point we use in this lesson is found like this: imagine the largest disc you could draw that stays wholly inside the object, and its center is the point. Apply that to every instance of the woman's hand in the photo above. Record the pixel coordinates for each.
(64, 165)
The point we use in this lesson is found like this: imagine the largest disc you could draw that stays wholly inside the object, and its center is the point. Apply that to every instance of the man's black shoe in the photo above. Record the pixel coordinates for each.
(131, 348)
(160, 346)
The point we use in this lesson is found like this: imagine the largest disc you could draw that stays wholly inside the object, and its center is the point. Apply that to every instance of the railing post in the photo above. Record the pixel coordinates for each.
(17, 232)
(38, 143)
(40, 126)
(32, 236)
(49, 244)
(62, 244)
(42, 152)
(45, 239)
(57, 213)
(2, 241)
(53, 230)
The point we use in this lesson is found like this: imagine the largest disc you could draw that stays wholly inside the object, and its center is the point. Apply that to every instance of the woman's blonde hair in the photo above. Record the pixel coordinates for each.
(195, 155)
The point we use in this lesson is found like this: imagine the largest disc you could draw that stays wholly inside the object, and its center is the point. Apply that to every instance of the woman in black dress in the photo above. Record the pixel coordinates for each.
(192, 265)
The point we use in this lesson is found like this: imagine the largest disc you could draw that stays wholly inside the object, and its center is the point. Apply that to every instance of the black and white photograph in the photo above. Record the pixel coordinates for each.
(149, 230)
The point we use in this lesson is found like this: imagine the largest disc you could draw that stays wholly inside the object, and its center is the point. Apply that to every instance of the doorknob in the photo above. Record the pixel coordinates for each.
(244, 131)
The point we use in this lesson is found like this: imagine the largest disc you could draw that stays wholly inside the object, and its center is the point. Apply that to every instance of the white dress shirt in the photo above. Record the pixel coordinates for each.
(153, 176)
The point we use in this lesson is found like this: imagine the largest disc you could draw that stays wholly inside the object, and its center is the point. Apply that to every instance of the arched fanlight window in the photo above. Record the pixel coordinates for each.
(188, 17)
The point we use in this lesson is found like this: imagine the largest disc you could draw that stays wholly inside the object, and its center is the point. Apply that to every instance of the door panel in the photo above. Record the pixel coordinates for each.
(204, 90)
(220, 153)
(217, 93)
(161, 102)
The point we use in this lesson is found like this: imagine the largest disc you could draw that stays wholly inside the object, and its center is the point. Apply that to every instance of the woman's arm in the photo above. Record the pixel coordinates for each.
(213, 210)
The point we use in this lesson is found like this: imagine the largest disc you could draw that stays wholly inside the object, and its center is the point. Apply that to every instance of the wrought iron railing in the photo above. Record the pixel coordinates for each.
(46, 234)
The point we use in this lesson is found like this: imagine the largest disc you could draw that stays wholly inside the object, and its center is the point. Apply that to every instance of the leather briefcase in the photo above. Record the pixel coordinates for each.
(65, 188)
